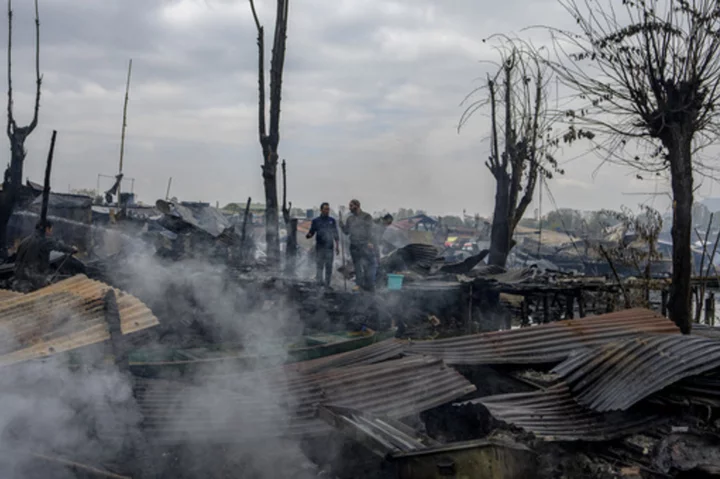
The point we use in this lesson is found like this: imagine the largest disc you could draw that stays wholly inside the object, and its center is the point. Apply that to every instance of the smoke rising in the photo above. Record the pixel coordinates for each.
(225, 416)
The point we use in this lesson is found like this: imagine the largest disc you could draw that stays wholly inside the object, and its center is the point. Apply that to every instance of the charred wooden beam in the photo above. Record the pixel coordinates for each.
(117, 343)
(46, 186)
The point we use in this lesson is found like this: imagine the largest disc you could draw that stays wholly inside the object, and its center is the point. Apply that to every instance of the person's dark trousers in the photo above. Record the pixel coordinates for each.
(359, 259)
(324, 261)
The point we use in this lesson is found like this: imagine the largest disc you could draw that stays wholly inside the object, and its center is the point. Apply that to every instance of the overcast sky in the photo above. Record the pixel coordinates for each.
(371, 100)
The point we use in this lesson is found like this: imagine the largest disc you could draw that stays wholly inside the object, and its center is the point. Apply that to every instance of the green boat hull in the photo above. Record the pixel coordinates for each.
(167, 362)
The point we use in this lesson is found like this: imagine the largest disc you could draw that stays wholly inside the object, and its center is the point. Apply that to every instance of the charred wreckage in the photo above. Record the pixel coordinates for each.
(172, 350)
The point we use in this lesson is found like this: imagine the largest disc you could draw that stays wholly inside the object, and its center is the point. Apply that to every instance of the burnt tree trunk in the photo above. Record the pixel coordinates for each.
(270, 139)
(679, 147)
(12, 183)
(500, 233)
(272, 226)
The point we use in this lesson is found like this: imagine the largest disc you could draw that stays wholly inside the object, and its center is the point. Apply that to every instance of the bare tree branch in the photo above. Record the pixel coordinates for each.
(517, 100)
(649, 72)
(38, 78)
(11, 120)
(261, 76)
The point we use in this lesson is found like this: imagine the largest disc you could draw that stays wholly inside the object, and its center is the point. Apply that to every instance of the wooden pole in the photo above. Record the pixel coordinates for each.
(710, 309)
(124, 126)
(167, 192)
(46, 187)
(243, 238)
(617, 277)
(342, 252)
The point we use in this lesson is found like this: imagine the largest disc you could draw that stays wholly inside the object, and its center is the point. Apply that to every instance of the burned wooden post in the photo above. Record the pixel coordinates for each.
(524, 313)
(290, 226)
(546, 308)
(291, 245)
(664, 302)
(710, 309)
(581, 303)
(46, 186)
(569, 306)
(117, 343)
(12, 183)
(243, 237)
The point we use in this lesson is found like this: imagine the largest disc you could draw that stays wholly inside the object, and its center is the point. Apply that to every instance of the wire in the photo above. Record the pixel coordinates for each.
(562, 222)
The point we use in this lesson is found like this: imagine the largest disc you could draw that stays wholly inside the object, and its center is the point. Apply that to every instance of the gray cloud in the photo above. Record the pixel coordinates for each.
(370, 107)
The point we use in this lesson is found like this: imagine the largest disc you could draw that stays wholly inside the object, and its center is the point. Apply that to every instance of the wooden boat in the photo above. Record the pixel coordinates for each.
(159, 361)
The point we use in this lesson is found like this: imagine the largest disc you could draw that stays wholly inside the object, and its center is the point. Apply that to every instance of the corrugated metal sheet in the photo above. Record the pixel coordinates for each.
(553, 415)
(64, 316)
(616, 376)
(382, 435)
(547, 343)
(712, 332)
(702, 390)
(250, 406)
(375, 353)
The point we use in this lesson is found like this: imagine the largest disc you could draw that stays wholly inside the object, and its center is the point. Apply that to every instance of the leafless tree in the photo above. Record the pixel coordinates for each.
(12, 182)
(516, 96)
(269, 140)
(648, 70)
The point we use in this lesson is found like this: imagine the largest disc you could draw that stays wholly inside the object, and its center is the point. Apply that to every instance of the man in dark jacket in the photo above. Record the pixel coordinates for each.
(32, 264)
(325, 230)
(359, 226)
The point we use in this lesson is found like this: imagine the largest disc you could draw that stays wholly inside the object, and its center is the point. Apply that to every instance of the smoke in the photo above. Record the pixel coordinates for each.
(71, 407)
(226, 416)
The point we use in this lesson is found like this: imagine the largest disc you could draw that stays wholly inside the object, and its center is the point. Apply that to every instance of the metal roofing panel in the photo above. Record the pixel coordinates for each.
(546, 343)
(383, 436)
(64, 316)
(261, 404)
(702, 390)
(553, 415)
(375, 353)
(617, 375)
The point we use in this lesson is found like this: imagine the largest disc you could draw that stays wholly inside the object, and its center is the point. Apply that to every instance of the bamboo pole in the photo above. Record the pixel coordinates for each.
(124, 127)
(167, 193)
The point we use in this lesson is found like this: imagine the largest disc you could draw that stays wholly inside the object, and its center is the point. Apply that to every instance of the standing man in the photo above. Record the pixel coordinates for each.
(381, 224)
(32, 264)
(359, 227)
(325, 228)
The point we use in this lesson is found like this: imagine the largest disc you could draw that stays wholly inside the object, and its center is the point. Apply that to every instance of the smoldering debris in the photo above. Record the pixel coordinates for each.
(230, 380)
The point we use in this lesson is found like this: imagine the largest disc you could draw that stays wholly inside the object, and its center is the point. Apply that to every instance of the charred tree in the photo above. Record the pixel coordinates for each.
(12, 183)
(649, 71)
(269, 139)
(520, 145)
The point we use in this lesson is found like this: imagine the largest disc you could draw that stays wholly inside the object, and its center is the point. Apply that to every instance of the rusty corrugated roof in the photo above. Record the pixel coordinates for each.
(546, 343)
(375, 353)
(553, 415)
(617, 375)
(260, 404)
(64, 316)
